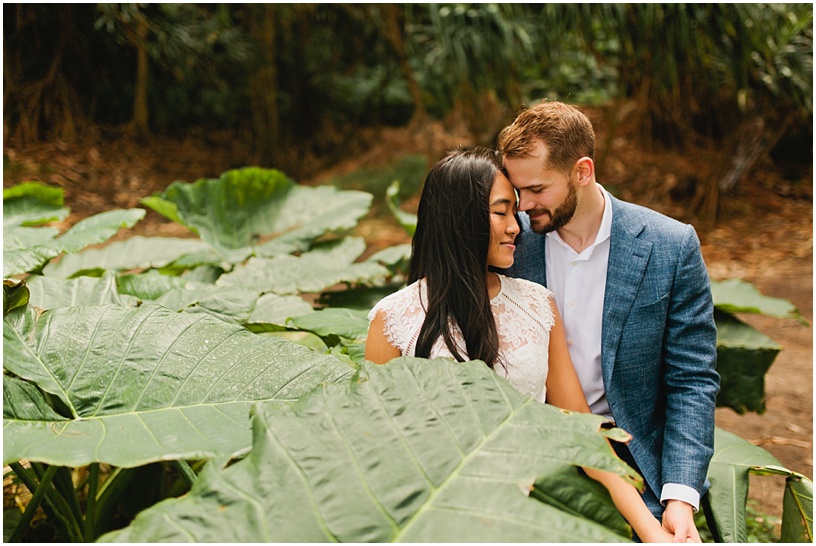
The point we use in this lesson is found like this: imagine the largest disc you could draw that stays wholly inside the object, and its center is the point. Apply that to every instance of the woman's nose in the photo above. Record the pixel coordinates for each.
(513, 227)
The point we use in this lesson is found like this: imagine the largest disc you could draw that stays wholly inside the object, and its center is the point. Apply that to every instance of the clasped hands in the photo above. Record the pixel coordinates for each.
(678, 519)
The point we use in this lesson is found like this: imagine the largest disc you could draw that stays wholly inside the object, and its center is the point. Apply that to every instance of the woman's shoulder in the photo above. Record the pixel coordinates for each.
(399, 300)
(525, 288)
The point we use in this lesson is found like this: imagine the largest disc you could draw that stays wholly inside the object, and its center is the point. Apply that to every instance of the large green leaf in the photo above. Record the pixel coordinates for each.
(272, 311)
(738, 296)
(51, 292)
(744, 356)
(27, 249)
(413, 451)
(797, 510)
(23, 260)
(97, 229)
(392, 255)
(134, 253)
(15, 294)
(407, 220)
(313, 271)
(230, 304)
(32, 204)
(134, 386)
(333, 323)
(149, 285)
(734, 459)
(259, 211)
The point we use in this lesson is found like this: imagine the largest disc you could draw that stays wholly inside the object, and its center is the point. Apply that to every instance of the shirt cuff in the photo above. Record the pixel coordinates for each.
(678, 491)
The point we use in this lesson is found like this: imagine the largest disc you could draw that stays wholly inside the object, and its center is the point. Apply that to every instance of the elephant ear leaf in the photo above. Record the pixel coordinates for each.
(733, 461)
(130, 386)
(15, 294)
(259, 211)
(797, 510)
(738, 296)
(412, 451)
(407, 220)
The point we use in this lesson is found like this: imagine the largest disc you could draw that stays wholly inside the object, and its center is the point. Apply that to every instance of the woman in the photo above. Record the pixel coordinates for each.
(455, 306)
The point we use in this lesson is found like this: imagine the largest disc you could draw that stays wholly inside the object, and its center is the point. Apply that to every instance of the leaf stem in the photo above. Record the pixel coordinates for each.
(38, 492)
(90, 505)
(185, 471)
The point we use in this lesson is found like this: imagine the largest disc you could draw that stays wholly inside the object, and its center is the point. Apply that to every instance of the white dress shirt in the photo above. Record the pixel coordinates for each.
(579, 284)
(578, 281)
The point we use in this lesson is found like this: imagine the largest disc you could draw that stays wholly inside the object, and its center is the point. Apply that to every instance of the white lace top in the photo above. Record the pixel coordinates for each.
(524, 318)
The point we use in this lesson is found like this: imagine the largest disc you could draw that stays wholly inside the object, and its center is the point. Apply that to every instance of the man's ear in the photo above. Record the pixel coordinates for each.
(584, 171)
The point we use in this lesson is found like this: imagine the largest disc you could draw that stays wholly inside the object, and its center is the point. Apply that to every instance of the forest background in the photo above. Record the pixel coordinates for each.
(703, 112)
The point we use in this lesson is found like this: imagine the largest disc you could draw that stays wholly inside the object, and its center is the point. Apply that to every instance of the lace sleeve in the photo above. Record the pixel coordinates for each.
(404, 315)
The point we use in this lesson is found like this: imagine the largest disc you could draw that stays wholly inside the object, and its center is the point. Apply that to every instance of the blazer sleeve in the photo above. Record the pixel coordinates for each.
(690, 377)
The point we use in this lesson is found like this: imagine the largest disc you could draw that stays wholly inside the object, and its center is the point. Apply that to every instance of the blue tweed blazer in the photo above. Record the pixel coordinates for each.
(658, 346)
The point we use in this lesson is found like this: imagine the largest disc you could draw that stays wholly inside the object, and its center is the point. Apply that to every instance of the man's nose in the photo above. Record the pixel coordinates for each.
(525, 202)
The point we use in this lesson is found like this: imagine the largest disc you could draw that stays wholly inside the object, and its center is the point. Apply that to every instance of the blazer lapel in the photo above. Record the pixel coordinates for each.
(628, 257)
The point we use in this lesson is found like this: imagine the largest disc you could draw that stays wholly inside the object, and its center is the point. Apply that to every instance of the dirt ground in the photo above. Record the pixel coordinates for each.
(764, 236)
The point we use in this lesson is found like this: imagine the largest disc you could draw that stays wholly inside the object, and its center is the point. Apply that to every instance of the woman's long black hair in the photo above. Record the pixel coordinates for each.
(449, 250)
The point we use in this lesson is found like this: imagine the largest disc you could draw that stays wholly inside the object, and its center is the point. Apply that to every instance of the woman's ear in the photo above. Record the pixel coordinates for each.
(585, 171)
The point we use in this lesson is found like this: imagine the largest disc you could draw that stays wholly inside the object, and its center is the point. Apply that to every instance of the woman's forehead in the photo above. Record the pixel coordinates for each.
(502, 190)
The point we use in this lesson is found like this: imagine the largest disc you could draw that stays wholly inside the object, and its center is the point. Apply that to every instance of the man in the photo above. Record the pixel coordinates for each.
(635, 298)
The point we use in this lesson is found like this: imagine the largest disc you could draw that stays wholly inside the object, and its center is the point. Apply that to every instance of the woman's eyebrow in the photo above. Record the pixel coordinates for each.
(501, 201)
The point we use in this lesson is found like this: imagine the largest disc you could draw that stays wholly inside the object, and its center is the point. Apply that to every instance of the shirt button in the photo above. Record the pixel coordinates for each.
(571, 303)
(573, 264)
(569, 341)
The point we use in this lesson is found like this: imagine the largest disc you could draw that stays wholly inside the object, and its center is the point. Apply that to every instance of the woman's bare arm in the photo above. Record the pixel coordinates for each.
(564, 391)
(378, 349)
(563, 388)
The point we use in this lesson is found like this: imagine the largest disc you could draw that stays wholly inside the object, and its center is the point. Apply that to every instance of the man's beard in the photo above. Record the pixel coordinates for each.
(558, 218)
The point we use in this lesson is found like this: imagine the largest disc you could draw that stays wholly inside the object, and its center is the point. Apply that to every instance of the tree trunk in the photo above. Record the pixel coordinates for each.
(394, 35)
(140, 121)
(753, 140)
(266, 119)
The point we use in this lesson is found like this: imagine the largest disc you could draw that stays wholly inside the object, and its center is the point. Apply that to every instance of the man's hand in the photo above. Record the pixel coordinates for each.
(678, 519)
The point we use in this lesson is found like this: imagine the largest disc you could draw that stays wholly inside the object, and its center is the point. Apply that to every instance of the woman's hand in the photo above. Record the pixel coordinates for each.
(655, 533)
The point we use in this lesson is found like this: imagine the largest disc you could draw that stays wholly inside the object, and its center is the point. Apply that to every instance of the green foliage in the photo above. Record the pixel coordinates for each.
(52, 292)
(410, 170)
(134, 253)
(744, 355)
(365, 462)
(315, 271)
(694, 69)
(27, 249)
(738, 296)
(407, 221)
(15, 294)
(299, 83)
(253, 211)
(460, 50)
(197, 53)
(734, 459)
(761, 527)
(132, 386)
